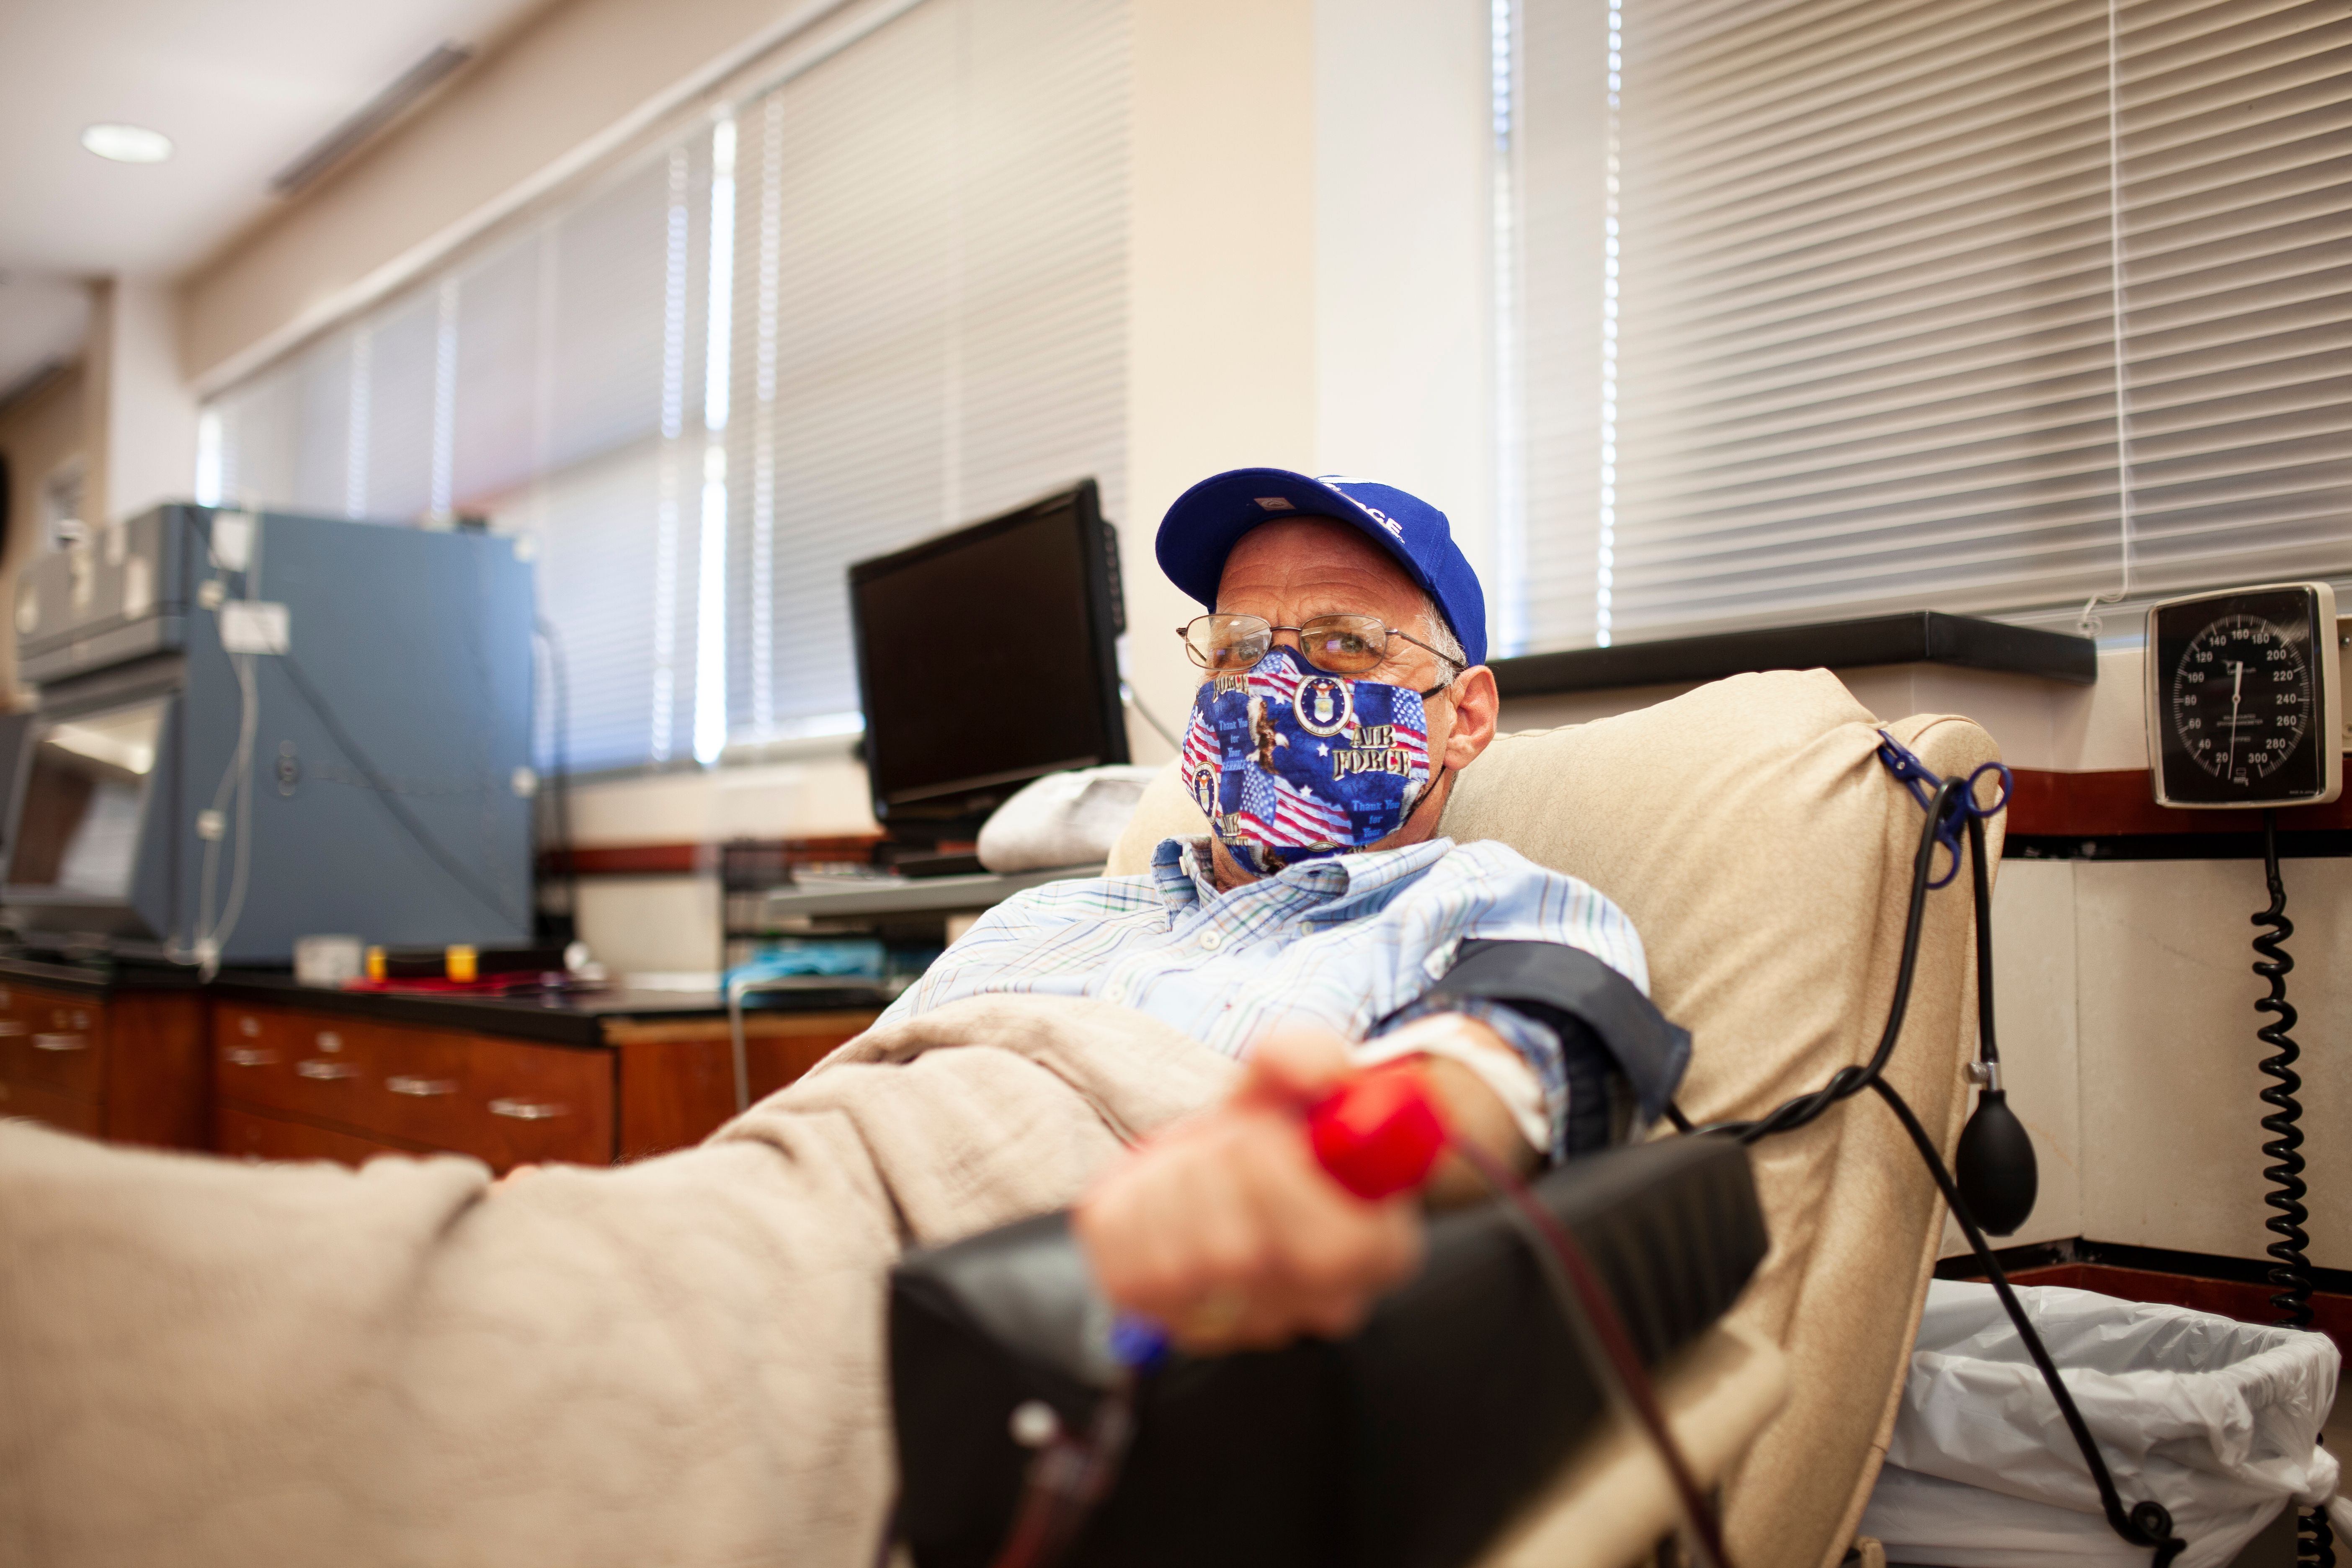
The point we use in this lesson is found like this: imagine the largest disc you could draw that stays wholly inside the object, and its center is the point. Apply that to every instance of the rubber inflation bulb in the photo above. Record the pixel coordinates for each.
(1996, 1170)
(1379, 1136)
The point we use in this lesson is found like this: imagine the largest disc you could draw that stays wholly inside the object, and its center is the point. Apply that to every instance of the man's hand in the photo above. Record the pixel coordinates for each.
(1224, 1229)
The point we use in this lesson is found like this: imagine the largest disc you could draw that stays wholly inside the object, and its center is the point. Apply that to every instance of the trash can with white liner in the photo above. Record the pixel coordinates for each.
(2216, 1419)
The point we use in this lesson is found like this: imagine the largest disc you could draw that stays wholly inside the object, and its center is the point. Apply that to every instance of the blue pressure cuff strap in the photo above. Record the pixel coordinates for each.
(1588, 1003)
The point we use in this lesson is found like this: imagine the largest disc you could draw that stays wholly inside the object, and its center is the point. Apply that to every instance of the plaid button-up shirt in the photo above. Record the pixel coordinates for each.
(1351, 945)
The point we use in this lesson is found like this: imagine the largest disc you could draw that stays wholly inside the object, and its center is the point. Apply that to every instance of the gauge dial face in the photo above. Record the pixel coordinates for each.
(2241, 697)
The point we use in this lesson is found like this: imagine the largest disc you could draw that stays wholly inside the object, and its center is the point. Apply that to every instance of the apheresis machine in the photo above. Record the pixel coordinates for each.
(254, 727)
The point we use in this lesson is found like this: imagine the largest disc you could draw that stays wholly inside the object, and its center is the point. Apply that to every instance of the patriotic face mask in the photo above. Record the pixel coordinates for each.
(1293, 763)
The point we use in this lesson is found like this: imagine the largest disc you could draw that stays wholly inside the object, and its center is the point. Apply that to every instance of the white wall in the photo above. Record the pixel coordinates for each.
(1404, 369)
(2169, 1078)
(2125, 998)
(821, 795)
(1309, 269)
(39, 432)
(2037, 1023)
(149, 439)
(1222, 321)
(659, 924)
(2037, 724)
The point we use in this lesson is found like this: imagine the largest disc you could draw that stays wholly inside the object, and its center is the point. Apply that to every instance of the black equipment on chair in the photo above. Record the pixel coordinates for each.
(1407, 1446)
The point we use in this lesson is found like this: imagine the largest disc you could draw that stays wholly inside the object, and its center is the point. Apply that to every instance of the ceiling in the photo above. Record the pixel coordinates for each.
(241, 87)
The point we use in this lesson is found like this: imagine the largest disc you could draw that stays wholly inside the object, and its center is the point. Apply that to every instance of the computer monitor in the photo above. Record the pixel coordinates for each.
(987, 658)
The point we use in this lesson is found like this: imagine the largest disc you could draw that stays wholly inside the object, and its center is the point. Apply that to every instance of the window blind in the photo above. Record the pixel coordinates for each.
(932, 257)
(1561, 122)
(879, 299)
(1913, 309)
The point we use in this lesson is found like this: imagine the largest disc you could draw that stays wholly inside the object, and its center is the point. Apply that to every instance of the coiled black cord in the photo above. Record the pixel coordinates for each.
(2290, 1272)
(2315, 1539)
(2291, 1269)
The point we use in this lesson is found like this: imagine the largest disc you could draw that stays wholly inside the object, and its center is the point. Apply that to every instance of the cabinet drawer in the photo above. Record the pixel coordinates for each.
(523, 1103)
(38, 1102)
(252, 1135)
(314, 1066)
(505, 1102)
(54, 1042)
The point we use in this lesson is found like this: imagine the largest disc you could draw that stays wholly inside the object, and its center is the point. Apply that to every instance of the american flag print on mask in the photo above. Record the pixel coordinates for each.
(1290, 764)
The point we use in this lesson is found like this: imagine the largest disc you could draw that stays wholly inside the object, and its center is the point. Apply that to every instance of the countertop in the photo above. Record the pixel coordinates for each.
(572, 1018)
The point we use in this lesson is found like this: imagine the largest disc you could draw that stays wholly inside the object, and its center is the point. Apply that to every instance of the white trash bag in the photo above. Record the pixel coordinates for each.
(2216, 1419)
(1063, 819)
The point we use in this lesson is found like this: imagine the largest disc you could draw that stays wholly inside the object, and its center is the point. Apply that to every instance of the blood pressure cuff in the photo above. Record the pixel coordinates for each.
(1623, 1060)
(1410, 1445)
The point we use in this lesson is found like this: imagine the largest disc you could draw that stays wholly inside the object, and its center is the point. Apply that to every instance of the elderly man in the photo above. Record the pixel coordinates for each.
(1324, 923)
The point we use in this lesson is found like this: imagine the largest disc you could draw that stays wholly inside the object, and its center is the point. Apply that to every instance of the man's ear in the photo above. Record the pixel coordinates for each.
(1477, 706)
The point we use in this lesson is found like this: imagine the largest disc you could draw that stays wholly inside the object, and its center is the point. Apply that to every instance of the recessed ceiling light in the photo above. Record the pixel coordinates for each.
(128, 144)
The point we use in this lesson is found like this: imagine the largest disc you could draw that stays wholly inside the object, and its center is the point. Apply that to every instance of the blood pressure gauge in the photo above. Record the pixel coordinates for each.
(2245, 698)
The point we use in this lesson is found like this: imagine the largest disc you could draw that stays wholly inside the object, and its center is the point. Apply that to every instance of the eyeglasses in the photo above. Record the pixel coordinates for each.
(1341, 644)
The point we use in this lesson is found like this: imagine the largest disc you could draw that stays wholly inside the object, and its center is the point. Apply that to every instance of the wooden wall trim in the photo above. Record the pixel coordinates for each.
(632, 861)
(2052, 805)
(701, 859)
(2107, 805)
(2246, 1302)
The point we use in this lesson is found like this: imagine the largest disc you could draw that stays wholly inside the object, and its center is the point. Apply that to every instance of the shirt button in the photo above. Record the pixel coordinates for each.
(1211, 940)
(1114, 992)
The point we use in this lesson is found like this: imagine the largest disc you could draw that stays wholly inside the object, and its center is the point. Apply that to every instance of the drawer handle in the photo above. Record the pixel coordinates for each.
(61, 1042)
(11, 1028)
(248, 1056)
(527, 1109)
(323, 1070)
(423, 1088)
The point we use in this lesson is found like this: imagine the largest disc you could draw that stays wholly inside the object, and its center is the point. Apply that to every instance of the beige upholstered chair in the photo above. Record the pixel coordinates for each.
(1764, 854)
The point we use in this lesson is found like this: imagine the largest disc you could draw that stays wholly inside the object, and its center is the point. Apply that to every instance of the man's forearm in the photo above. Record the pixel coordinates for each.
(1474, 1109)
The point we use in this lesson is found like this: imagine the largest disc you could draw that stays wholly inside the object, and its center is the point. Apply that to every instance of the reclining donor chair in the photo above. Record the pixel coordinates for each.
(682, 1360)
(1751, 834)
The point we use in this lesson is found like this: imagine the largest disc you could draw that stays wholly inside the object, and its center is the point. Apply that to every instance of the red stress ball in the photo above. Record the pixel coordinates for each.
(1379, 1136)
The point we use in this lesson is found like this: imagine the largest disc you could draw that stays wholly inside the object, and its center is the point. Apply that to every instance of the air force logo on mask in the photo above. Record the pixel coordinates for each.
(1324, 705)
(1376, 752)
(1289, 762)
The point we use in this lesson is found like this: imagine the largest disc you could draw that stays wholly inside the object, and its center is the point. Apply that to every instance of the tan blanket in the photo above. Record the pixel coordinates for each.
(679, 1362)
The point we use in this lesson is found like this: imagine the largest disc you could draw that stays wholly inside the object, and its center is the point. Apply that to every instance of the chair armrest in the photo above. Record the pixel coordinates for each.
(1611, 1502)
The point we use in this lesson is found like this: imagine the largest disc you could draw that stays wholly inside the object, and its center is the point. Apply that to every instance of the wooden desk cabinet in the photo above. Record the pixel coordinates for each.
(678, 1076)
(127, 1065)
(294, 1083)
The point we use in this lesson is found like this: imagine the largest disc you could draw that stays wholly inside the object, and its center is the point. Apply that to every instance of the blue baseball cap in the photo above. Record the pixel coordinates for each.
(1202, 529)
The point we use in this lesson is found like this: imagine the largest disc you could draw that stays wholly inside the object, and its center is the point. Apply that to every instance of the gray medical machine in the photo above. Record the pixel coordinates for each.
(257, 727)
